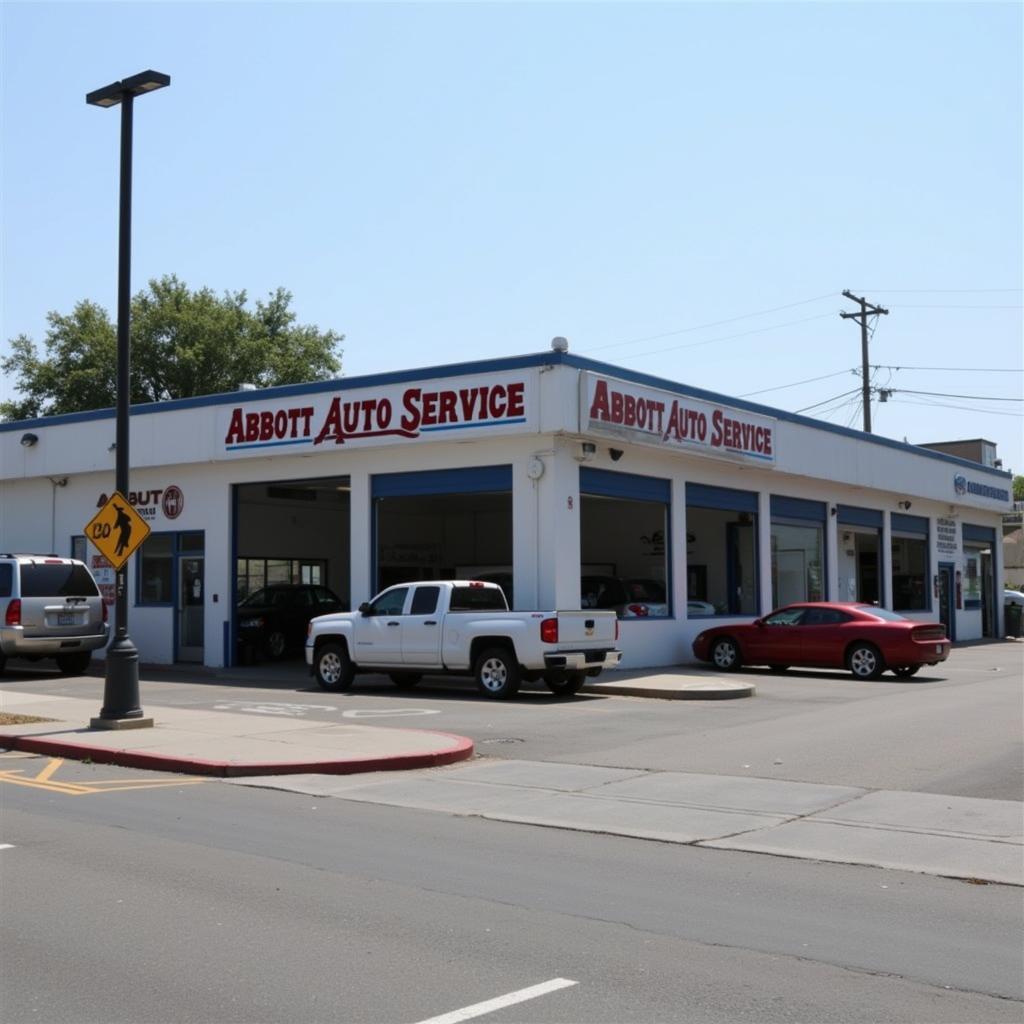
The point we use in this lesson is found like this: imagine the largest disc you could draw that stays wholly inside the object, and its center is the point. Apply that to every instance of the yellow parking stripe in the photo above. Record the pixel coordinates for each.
(44, 780)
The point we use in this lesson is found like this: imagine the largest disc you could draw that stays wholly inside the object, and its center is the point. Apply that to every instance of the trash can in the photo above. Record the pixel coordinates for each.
(1012, 613)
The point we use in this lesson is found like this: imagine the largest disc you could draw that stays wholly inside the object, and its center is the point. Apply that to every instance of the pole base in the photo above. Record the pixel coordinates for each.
(120, 723)
(121, 682)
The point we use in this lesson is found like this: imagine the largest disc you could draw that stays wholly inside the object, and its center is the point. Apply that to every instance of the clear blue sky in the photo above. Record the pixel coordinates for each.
(448, 182)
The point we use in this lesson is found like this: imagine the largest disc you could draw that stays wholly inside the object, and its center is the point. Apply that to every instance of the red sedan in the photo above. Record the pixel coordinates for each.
(825, 634)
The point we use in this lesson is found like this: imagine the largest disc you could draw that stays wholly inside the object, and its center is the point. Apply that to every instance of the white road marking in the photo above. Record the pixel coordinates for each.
(387, 712)
(6, 846)
(271, 707)
(479, 1009)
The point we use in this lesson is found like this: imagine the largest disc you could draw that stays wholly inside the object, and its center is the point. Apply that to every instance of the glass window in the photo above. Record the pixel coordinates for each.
(909, 573)
(191, 542)
(721, 561)
(156, 565)
(6, 579)
(78, 548)
(477, 599)
(883, 613)
(64, 580)
(797, 562)
(390, 603)
(823, 617)
(424, 600)
(860, 564)
(629, 537)
(789, 617)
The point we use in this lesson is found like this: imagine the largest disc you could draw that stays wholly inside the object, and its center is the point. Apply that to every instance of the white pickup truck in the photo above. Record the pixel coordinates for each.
(460, 627)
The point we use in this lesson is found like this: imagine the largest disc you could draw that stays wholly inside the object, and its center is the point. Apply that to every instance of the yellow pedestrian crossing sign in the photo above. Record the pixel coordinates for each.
(117, 530)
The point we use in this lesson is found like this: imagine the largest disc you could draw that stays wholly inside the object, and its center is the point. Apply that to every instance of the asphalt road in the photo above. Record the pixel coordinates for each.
(953, 730)
(209, 902)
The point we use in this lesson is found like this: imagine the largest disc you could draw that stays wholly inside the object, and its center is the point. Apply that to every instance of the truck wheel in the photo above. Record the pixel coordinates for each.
(565, 684)
(497, 673)
(334, 669)
(405, 680)
(73, 664)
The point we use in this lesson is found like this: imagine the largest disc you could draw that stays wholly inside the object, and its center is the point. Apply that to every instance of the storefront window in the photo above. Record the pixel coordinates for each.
(624, 544)
(156, 569)
(909, 573)
(798, 545)
(444, 524)
(721, 551)
(860, 554)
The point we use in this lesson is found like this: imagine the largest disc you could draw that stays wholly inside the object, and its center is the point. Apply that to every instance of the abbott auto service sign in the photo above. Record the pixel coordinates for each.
(645, 415)
(492, 404)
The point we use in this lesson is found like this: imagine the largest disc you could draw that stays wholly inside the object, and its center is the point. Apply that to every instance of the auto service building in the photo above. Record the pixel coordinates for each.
(574, 483)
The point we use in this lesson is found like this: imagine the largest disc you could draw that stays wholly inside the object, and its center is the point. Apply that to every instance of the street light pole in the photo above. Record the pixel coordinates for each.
(121, 705)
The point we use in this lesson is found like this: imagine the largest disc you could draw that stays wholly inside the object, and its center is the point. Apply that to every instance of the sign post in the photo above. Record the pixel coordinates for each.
(118, 531)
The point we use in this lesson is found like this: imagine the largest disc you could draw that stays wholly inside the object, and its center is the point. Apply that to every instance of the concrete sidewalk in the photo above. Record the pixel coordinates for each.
(221, 743)
(956, 837)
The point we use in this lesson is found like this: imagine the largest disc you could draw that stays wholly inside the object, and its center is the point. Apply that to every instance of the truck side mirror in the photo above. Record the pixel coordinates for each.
(364, 608)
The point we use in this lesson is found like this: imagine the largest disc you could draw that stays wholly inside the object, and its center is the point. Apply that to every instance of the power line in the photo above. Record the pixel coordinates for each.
(797, 383)
(828, 401)
(965, 408)
(958, 369)
(942, 291)
(715, 323)
(728, 337)
(943, 394)
(901, 305)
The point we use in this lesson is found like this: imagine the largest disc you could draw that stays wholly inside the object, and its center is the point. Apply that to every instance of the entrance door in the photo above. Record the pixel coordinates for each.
(190, 608)
(988, 618)
(947, 612)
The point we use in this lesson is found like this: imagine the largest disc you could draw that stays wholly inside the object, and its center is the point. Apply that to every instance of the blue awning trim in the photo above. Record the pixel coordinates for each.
(909, 524)
(624, 485)
(985, 534)
(854, 516)
(797, 508)
(472, 480)
(706, 496)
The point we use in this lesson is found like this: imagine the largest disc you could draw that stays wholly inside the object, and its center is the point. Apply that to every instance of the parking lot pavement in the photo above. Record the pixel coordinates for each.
(956, 837)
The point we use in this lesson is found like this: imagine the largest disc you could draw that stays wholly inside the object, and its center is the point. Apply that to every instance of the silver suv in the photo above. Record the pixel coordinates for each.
(50, 608)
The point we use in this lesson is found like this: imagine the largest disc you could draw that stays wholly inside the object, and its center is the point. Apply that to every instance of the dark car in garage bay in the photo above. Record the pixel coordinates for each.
(863, 638)
(273, 619)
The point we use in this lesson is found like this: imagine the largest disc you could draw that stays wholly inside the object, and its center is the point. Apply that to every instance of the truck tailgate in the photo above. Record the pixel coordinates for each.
(586, 629)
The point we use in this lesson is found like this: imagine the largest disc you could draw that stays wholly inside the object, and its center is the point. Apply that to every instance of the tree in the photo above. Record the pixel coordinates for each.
(1018, 488)
(184, 343)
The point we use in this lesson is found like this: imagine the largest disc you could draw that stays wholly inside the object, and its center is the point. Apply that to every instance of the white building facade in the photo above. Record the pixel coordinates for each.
(572, 482)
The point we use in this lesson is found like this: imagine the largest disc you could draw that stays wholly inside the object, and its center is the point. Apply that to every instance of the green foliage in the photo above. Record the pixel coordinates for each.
(1018, 488)
(184, 343)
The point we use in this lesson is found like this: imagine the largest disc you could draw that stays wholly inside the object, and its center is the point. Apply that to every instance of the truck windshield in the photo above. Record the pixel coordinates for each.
(477, 599)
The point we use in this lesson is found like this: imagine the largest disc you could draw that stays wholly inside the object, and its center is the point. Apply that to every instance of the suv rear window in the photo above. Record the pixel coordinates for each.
(477, 599)
(5, 579)
(57, 581)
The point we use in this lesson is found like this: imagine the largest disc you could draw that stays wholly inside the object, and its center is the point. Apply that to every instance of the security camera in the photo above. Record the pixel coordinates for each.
(587, 451)
(615, 453)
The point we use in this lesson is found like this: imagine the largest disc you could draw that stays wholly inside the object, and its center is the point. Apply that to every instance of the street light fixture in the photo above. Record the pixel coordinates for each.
(121, 707)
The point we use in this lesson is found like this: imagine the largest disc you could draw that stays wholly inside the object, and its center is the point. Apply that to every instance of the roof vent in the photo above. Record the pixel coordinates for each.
(559, 344)
(247, 387)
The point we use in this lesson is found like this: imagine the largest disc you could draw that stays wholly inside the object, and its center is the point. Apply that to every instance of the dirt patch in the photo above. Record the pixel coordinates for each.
(9, 719)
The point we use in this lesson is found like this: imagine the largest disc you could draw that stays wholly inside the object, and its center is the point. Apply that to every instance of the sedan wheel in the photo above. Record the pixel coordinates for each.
(725, 655)
(865, 661)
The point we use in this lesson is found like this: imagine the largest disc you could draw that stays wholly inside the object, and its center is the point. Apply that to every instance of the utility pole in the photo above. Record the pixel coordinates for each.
(866, 310)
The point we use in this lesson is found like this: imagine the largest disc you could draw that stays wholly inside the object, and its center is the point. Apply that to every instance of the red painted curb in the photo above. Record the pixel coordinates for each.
(225, 769)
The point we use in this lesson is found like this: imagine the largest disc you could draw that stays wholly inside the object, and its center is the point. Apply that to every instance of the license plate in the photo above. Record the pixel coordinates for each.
(66, 620)
(938, 648)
